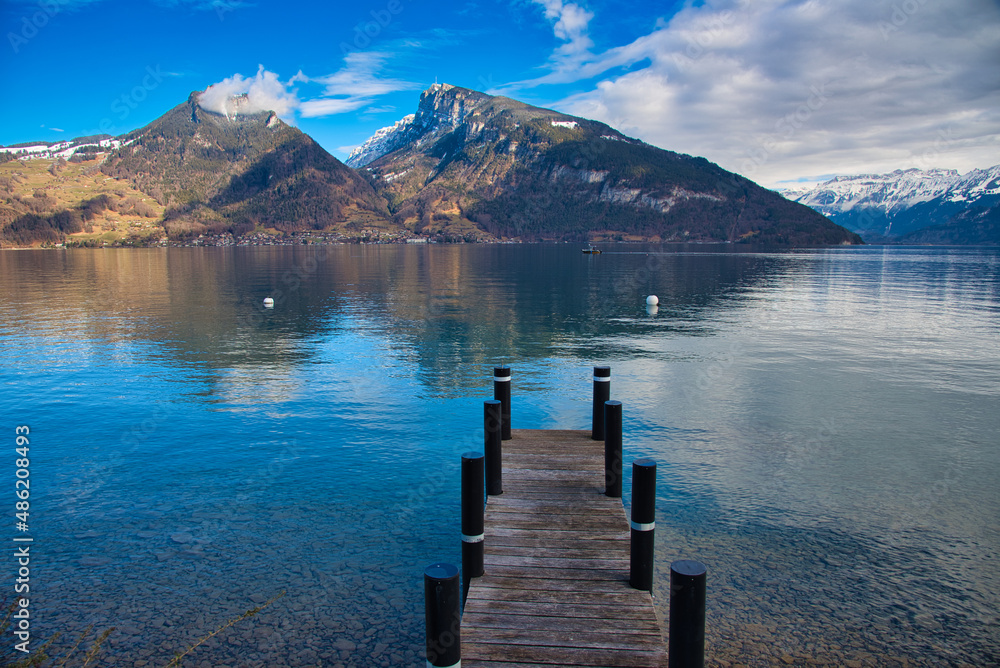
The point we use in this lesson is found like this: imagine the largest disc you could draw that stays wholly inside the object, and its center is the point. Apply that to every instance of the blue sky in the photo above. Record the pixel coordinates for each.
(776, 90)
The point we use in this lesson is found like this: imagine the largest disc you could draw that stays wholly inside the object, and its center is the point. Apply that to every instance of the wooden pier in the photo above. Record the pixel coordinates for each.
(556, 586)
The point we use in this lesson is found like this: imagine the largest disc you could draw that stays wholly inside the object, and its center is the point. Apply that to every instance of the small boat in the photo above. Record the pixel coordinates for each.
(592, 250)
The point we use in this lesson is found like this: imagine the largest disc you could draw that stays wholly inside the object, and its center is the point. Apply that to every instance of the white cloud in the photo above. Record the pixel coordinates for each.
(265, 92)
(354, 86)
(571, 24)
(329, 106)
(782, 89)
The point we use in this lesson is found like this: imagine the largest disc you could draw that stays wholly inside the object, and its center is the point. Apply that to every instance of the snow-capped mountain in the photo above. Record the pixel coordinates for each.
(889, 192)
(889, 206)
(431, 115)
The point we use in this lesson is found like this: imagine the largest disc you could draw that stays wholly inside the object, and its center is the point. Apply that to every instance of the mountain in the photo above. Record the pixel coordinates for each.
(476, 166)
(236, 172)
(465, 166)
(975, 226)
(896, 206)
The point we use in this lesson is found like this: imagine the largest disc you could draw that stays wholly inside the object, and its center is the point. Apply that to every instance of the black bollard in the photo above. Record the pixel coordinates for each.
(602, 392)
(686, 648)
(613, 449)
(492, 422)
(643, 524)
(472, 518)
(501, 392)
(442, 615)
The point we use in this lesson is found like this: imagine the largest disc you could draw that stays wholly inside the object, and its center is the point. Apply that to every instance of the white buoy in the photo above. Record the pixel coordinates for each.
(652, 300)
(268, 302)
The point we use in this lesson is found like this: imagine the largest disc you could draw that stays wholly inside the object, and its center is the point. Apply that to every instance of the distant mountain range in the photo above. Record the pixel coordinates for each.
(912, 206)
(466, 166)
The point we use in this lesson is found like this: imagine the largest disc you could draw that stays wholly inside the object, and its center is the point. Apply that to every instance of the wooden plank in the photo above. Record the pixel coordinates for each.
(572, 552)
(555, 592)
(559, 610)
(540, 501)
(587, 575)
(564, 656)
(565, 524)
(629, 597)
(567, 539)
(547, 584)
(611, 639)
(547, 493)
(530, 625)
(507, 535)
(549, 561)
(580, 482)
(535, 499)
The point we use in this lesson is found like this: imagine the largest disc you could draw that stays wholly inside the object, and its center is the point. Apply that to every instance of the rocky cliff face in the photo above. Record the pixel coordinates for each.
(442, 107)
(474, 166)
(447, 105)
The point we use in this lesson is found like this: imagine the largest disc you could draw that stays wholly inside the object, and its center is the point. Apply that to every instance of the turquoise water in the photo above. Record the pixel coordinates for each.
(825, 423)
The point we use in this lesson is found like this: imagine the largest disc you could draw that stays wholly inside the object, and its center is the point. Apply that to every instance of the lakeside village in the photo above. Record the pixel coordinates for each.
(270, 239)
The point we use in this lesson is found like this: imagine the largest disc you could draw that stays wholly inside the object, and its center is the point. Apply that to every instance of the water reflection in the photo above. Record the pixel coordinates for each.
(824, 420)
(451, 310)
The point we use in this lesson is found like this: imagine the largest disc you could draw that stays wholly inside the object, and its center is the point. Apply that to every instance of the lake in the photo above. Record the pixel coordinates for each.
(825, 423)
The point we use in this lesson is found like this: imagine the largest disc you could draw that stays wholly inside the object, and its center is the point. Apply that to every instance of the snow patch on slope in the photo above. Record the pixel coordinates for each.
(385, 140)
(63, 149)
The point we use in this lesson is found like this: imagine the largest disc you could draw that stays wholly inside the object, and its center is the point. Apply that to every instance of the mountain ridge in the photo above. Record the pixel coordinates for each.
(466, 166)
(471, 165)
(237, 172)
(895, 206)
